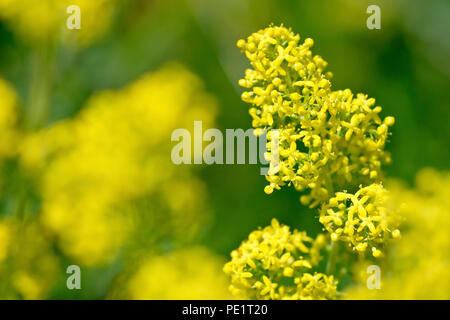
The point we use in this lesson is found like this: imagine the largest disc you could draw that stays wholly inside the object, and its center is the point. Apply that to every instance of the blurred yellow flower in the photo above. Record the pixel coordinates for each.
(113, 158)
(45, 20)
(5, 239)
(193, 273)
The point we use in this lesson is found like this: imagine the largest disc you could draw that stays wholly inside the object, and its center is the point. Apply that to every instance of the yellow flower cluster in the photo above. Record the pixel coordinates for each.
(363, 219)
(45, 20)
(419, 265)
(108, 171)
(8, 120)
(192, 273)
(275, 263)
(324, 135)
(28, 267)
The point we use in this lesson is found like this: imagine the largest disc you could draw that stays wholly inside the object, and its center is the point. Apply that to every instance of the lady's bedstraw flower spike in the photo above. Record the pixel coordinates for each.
(9, 132)
(362, 219)
(275, 263)
(325, 135)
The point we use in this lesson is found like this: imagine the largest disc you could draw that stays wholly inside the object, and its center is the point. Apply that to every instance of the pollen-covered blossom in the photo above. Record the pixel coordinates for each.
(275, 263)
(42, 21)
(364, 219)
(28, 265)
(419, 264)
(191, 273)
(8, 120)
(326, 137)
(107, 172)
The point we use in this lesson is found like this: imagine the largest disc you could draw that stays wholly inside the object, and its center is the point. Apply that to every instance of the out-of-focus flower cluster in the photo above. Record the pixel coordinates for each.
(191, 274)
(275, 263)
(364, 219)
(325, 137)
(108, 171)
(28, 265)
(418, 265)
(44, 21)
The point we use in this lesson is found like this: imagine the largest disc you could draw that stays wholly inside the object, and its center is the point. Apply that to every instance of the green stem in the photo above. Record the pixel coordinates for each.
(331, 264)
(37, 105)
(39, 91)
(21, 204)
(329, 185)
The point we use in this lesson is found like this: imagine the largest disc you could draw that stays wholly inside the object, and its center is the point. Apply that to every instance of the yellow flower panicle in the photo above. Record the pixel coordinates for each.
(324, 135)
(275, 263)
(103, 169)
(419, 264)
(28, 265)
(8, 120)
(44, 21)
(364, 219)
(192, 273)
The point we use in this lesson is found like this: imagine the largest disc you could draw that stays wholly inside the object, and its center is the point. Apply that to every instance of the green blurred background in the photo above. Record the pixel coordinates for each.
(405, 66)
